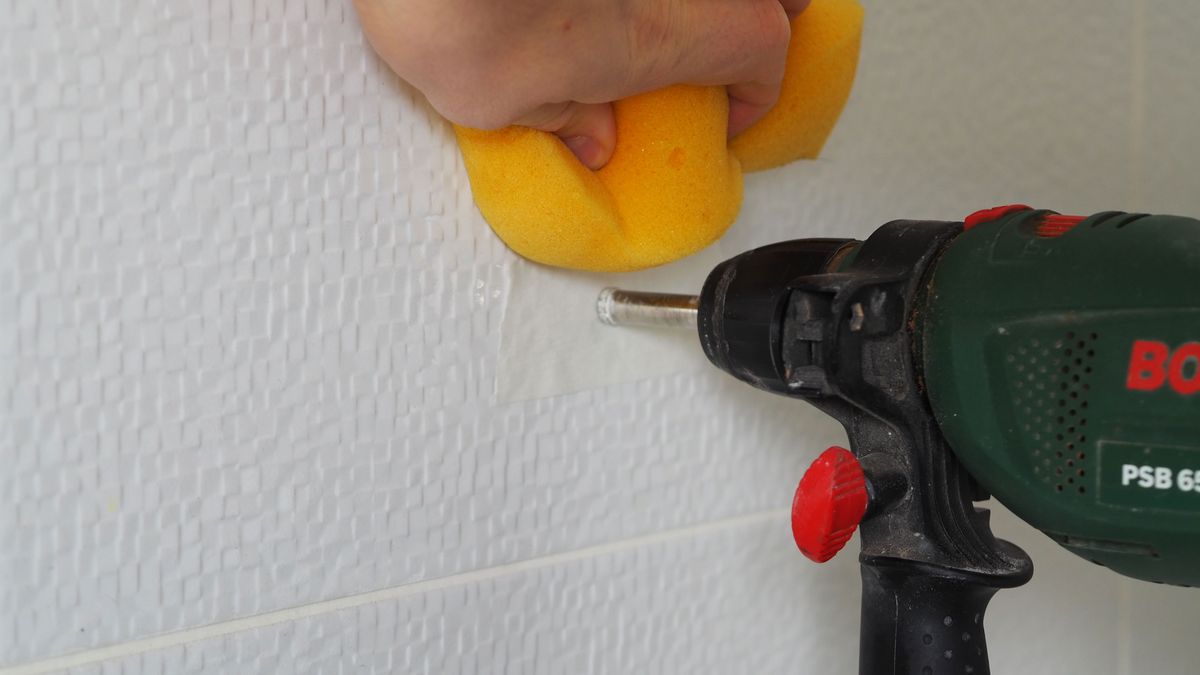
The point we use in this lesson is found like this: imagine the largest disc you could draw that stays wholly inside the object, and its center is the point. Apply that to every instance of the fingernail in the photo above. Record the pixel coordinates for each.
(586, 150)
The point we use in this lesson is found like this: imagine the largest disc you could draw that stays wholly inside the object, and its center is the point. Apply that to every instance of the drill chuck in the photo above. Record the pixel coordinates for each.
(744, 303)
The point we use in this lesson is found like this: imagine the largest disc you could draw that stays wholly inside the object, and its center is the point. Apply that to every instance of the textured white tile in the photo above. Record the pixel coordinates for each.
(551, 342)
(248, 339)
(1066, 620)
(1169, 142)
(728, 601)
(1161, 628)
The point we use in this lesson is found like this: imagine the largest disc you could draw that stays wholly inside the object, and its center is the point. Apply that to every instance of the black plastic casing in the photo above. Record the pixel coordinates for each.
(832, 322)
(744, 301)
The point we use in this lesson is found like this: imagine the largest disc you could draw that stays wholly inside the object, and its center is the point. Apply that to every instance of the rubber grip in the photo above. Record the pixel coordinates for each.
(921, 620)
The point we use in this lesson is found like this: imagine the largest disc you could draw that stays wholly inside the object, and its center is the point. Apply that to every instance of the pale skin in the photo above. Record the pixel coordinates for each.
(556, 65)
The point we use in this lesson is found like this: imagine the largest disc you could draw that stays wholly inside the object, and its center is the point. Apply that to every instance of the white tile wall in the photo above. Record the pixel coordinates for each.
(679, 604)
(248, 341)
(1168, 144)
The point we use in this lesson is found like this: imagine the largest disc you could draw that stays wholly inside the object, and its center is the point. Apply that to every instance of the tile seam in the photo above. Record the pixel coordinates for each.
(289, 614)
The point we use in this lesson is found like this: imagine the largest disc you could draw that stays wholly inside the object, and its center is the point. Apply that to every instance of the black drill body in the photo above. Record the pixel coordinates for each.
(829, 321)
(1048, 360)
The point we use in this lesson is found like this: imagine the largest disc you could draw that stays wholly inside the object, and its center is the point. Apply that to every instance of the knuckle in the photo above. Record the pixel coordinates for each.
(774, 30)
(650, 25)
(455, 67)
(467, 94)
(652, 38)
(772, 35)
(470, 111)
(549, 117)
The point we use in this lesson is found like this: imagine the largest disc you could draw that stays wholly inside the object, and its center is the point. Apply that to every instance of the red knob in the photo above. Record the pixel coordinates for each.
(829, 504)
(988, 215)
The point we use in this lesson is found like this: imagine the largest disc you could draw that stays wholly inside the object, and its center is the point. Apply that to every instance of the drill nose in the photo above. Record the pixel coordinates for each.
(616, 307)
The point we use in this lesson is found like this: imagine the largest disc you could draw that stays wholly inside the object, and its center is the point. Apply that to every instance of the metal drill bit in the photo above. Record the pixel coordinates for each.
(616, 307)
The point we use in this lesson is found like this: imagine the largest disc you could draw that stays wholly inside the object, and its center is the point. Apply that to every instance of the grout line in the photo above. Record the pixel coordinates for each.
(223, 628)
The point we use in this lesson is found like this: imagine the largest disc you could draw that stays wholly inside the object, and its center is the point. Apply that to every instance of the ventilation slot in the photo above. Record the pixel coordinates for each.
(1129, 219)
(1051, 379)
(1105, 216)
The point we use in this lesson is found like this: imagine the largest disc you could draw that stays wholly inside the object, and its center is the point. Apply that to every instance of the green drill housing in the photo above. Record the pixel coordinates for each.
(1061, 357)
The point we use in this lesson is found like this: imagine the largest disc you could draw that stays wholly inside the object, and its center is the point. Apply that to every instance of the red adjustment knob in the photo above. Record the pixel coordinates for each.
(988, 215)
(829, 504)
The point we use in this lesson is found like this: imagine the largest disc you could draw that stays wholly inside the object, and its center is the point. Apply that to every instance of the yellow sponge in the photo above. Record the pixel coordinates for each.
(821, 61)
(674, 184)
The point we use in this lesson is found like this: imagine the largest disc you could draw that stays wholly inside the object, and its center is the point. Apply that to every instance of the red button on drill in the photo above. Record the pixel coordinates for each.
(1055, 225)
(829, 504)
(988, 215)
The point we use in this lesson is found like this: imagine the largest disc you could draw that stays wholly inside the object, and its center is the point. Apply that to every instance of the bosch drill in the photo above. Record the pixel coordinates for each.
(1052, 361)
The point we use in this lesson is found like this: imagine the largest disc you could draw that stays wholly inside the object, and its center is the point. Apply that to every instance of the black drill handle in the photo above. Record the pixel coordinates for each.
(921, 620)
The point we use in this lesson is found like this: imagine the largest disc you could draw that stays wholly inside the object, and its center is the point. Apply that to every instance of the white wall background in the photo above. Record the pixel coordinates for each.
(248, 339)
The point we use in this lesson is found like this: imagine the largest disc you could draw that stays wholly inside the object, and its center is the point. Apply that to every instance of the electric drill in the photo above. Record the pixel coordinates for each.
(1051, 361)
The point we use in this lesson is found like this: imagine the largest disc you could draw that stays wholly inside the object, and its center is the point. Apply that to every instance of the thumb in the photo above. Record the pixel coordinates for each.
(589, 130)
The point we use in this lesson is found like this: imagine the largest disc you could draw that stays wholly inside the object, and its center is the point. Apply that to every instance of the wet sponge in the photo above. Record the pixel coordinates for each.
(674, 184)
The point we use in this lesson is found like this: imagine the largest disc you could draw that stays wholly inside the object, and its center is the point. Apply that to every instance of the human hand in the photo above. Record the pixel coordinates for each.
(556, 65)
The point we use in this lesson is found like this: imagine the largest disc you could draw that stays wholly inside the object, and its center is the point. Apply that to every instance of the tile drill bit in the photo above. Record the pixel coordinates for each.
(616, 307)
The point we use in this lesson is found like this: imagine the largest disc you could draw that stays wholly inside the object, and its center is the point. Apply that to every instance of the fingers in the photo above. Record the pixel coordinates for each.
(748, 103)
(794, 7)
(586, 52)
(740, 43)
(715, 42)
(588, 130)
